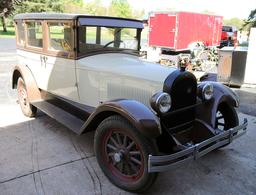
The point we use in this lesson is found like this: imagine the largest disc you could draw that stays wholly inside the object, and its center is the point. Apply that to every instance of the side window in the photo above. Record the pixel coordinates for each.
(129, 38)
(60, 36)
(92, 37)
(35, 34)
(20, 26)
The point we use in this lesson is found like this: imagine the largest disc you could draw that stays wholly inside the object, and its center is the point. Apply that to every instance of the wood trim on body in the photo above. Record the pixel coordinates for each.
(45, 40)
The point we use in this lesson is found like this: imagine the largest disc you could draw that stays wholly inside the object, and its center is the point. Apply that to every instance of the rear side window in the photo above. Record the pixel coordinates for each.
(60, 36)
(20, 26)
(35, 34)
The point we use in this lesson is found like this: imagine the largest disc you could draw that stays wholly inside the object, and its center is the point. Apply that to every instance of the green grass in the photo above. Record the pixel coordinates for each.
(9, 34)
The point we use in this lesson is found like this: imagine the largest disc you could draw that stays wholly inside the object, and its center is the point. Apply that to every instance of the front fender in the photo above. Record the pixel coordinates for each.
(222, 94)
(140, 116)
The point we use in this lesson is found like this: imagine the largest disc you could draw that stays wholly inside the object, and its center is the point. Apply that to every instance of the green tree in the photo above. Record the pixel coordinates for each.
(95, 8)
(6, 8)
(138, 14)
(251, 20)
(29, 6)
(74, 6)
(120, 8)
(238, 23)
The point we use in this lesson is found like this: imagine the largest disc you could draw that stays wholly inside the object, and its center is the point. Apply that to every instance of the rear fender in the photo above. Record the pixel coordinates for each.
(31, 85)
(222, 94)
(140, 116)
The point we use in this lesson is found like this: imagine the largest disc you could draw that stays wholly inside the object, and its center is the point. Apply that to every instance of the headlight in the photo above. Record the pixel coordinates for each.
(161, 102)
(207, 91)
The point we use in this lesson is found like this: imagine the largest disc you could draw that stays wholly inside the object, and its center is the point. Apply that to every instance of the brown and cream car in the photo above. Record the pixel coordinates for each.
(85, 72)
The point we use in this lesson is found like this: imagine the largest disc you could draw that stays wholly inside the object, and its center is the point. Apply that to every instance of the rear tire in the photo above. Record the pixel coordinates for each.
(27, 109)
(122, 153)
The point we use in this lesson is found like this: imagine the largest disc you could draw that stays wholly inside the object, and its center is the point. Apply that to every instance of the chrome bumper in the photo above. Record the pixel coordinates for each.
(166, 162)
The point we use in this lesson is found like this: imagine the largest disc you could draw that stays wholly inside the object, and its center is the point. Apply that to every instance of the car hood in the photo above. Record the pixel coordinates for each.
(126, 65)
(117, 76)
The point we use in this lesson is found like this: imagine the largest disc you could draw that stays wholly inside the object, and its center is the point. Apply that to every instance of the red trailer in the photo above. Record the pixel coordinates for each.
(177, 30)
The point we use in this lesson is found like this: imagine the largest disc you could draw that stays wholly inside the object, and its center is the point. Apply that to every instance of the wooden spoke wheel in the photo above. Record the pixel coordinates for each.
(27, 109)
(122, 153)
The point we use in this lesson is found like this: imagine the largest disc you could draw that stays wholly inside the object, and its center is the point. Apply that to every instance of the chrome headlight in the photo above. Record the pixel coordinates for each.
(161, 102)
(207, 91)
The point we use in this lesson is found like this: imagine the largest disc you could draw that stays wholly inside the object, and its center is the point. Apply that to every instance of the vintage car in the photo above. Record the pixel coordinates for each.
(85, 72)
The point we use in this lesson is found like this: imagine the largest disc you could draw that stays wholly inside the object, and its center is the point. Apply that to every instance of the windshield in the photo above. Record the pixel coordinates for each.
(100, 39)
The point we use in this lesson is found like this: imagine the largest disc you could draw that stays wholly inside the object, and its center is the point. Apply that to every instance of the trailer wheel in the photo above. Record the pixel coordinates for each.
(26, 108)
(122, 153)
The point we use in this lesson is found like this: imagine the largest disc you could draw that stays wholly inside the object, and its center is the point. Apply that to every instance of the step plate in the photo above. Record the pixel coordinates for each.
(67, 119)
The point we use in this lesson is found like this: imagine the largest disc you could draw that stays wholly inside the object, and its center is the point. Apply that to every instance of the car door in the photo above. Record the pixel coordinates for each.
(59, 63)
(31, 56)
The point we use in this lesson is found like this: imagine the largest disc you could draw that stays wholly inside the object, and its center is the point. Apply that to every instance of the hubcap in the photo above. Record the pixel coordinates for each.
(23, 97)
(117, 157)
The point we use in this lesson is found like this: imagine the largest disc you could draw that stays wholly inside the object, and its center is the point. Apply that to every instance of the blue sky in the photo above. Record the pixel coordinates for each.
(226, 8)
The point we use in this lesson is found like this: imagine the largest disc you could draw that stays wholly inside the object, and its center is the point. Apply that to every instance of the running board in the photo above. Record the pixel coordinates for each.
(69, 120)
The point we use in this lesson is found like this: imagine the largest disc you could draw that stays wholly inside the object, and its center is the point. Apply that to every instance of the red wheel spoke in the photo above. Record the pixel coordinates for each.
(119, 166)
(134, 152)
(129, 170)
(114, 142)
(135, 160)
(123, 155)
(118, 138)
(125, 141)
(133, 167)
(130, 145)
(122, 167)
(111, 147)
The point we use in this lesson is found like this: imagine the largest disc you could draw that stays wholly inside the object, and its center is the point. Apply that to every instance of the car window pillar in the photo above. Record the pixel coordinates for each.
(117, 37)
(98, 35)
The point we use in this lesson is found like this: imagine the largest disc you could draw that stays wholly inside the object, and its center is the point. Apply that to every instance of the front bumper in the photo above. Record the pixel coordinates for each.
(166, 162)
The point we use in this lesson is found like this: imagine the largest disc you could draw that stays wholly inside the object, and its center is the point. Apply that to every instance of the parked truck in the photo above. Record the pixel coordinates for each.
(175, 35)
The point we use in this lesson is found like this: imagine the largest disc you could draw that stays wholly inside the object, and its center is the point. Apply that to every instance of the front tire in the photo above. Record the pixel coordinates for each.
(226, 118)
(122, 153)
(26, 108)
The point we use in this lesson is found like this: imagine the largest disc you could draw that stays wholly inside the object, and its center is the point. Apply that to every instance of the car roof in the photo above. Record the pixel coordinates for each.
(62, 16)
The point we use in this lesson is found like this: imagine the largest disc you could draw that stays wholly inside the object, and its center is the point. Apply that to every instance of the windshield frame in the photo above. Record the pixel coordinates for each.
(106, 22)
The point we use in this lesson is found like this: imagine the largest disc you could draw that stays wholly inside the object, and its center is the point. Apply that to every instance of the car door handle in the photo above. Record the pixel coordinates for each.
(43, 60)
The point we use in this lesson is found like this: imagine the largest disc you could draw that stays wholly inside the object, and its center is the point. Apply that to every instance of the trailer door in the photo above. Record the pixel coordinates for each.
(162, 28)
